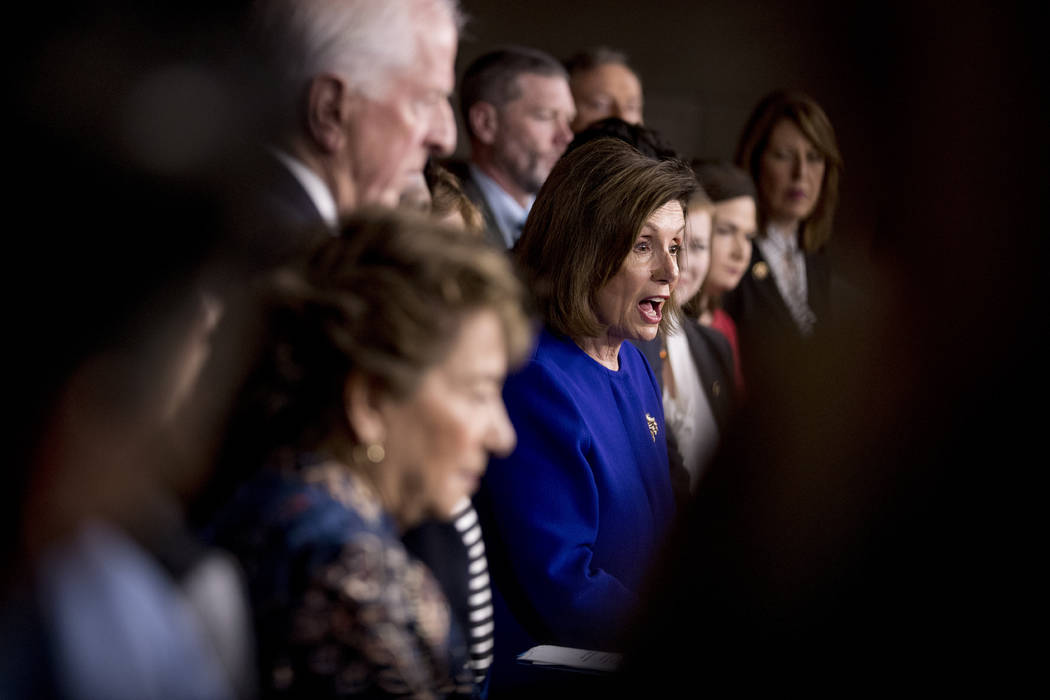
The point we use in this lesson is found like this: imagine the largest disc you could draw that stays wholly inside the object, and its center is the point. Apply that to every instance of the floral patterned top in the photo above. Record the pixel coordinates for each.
(341, 609)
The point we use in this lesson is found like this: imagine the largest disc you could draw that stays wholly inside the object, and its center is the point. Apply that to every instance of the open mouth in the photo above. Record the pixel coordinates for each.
(650, 309)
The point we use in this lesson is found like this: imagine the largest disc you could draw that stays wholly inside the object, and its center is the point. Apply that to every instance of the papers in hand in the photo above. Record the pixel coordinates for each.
(585, 660)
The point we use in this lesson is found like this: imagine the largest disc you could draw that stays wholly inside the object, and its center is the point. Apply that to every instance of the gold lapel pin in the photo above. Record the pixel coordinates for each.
(760, 270)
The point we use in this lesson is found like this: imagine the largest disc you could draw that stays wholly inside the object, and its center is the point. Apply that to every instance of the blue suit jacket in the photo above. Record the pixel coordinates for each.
(575, 515)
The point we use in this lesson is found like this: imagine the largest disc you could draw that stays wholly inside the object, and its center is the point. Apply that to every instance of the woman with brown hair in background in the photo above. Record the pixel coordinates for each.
(789, 147)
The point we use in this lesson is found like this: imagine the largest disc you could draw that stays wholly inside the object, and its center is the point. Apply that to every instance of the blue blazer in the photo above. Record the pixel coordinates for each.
(574, 516)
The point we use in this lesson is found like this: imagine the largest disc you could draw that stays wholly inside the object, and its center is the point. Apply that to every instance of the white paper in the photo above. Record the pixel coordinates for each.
(582, 659)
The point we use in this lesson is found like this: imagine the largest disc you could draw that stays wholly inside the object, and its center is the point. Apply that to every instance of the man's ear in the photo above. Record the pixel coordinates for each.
(328, 108)
(362, 405)
(484, 121)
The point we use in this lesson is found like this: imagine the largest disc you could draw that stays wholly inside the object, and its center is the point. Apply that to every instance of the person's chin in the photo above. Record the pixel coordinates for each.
(798, 211)
(728, 281)
(383, 197)
(543, 171)
(535, 182)
(443, 512)
(468, 482)
(647, 332)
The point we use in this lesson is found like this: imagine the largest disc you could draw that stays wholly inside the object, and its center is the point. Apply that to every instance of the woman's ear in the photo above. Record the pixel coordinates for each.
(362, 404)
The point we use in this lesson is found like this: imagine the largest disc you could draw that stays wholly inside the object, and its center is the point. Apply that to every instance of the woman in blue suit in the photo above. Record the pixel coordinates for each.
(576, 513)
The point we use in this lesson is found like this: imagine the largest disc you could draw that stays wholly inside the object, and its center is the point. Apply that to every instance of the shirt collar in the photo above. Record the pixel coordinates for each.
(775, 240)
(509, 215)
(316, 190)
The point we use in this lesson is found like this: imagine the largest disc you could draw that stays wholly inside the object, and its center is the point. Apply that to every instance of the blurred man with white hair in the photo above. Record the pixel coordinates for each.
(362, 100)
(362, 89)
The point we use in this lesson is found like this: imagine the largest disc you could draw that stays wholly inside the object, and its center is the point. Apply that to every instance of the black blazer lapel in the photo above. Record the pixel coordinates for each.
(470, 188)
(651, 350)
(760, 273)
(818, 284)
(492, 232)
(714, 362)
(286, 199)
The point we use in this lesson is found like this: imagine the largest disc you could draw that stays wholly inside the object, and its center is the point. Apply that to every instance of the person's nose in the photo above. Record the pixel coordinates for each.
(441, 135)
(666, 271)
(798, 167)
(562, 134)
(500, 437)
(736, 249)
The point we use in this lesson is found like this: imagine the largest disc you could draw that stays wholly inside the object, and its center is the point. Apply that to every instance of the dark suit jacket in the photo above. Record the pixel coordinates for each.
(285, 198)
(470, 187)
(278, 220)
(765, 327)
(714, 363)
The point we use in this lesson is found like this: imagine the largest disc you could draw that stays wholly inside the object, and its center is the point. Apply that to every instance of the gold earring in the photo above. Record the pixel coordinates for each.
(375, 453)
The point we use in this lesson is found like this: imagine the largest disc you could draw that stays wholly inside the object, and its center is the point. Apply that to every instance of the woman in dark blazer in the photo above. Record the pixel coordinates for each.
(789, 147)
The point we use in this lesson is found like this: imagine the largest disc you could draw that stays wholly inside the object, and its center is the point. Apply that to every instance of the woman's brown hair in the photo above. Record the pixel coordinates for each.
(385, 300)
(583, 223)
(447, 198)
(721, 181)
(806, 114)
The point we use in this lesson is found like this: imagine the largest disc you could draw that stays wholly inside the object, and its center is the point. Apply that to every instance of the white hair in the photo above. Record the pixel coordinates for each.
(364, 41)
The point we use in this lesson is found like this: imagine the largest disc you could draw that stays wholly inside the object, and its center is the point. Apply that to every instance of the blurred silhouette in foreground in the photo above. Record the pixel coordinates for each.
(113, 289)
(877, 534)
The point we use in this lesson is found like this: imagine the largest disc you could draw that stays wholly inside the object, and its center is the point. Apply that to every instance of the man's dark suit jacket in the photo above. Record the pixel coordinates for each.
(470, 187)
(278, 220)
